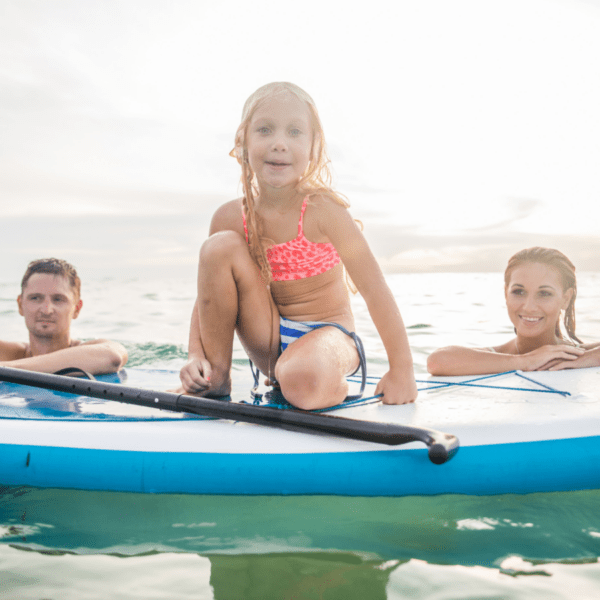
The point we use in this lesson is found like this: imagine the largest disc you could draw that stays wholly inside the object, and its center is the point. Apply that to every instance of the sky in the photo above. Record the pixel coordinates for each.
(460, 131)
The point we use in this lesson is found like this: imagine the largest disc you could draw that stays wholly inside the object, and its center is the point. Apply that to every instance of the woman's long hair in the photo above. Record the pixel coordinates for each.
(566, 270)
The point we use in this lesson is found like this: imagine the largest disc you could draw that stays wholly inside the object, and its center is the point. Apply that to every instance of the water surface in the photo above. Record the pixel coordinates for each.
(83, 545)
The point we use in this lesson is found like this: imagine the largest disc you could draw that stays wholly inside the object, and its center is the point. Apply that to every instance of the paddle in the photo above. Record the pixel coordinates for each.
(442, 446)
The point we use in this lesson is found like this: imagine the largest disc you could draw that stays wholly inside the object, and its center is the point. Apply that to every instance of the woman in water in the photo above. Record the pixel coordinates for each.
(539, 286)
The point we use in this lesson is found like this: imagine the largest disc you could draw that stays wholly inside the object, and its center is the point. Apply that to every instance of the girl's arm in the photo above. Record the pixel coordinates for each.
(195, 374)
(96, 356)
(458, 360)
(398, 385)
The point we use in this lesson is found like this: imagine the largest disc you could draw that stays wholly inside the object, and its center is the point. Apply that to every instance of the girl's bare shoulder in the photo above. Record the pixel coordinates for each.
(324, 211)
(228, 217)
(323, 202)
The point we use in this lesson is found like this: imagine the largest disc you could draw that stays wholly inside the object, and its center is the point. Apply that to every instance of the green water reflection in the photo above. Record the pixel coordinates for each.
(438, 529)
(228, 547)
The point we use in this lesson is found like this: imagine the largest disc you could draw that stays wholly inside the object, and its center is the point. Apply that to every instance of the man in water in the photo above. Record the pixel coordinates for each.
(49, 301)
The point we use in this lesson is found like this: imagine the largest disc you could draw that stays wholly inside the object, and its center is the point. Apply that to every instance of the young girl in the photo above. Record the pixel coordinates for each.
(272, 269)
(539, 285)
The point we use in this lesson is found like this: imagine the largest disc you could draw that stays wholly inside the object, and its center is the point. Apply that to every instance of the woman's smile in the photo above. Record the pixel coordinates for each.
(534, 299)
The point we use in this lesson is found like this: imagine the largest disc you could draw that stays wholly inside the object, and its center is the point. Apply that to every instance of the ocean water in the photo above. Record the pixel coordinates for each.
(84, 545)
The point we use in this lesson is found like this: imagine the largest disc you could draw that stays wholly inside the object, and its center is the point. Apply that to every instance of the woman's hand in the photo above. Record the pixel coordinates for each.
(195, 375)
(545, 357)
(589, 358)
(397, 387)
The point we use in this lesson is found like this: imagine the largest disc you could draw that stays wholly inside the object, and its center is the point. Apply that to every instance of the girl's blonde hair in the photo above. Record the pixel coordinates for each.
(316, 178)
(566, 270)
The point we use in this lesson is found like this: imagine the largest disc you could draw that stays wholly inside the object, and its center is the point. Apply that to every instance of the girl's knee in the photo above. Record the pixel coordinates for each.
(221, 246)
(309, 386)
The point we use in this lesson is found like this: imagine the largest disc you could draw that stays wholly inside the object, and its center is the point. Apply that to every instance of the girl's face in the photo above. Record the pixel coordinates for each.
(534, 299)
(279, 141)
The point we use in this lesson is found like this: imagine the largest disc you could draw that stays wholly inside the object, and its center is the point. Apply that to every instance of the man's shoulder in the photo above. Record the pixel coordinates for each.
(13, 350)
(90, 342)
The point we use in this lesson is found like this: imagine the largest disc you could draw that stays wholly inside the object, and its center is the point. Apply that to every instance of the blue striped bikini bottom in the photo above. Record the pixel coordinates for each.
(290, 331)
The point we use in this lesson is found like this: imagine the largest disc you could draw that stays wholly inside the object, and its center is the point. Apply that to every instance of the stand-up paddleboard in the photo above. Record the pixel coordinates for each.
(518, 433)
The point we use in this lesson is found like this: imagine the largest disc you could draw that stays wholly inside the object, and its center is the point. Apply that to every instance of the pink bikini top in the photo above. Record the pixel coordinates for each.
(299, 258)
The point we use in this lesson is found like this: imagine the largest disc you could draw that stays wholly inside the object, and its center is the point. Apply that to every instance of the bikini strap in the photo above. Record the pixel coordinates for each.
(245, 225)
(301, 221)
(300, 226)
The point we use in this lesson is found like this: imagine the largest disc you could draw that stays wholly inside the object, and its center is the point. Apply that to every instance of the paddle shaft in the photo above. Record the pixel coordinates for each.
(442, 446)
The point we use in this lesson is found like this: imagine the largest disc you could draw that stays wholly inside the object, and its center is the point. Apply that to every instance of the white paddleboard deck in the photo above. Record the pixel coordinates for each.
(523, 439)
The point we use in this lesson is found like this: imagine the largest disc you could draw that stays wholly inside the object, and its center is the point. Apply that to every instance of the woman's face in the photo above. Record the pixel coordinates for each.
(535, 298)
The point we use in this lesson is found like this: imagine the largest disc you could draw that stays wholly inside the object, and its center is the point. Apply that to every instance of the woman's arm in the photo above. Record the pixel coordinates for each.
(589, 358)
(95, 357)
(458, 360)
(398, 385)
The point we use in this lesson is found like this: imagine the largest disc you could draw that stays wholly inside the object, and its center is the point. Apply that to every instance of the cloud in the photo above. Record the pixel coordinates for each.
(400, 250)
(517, 209)
(118, 107)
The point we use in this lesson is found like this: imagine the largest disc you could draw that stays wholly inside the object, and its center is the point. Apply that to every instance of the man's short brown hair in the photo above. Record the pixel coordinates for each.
(53, 266)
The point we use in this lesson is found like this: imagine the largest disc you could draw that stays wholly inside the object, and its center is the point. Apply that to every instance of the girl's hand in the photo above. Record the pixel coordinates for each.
(543, 358)
(397, 387)
(195, 375)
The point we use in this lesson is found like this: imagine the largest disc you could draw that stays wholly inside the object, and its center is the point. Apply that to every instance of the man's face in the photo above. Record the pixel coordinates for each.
(48, 304)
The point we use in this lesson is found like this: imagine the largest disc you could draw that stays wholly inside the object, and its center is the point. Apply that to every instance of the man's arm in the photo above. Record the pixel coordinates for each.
(95, 357)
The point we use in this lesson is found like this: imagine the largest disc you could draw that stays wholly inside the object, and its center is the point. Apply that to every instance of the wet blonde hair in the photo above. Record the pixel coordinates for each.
(565, 268)
(316, 178)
